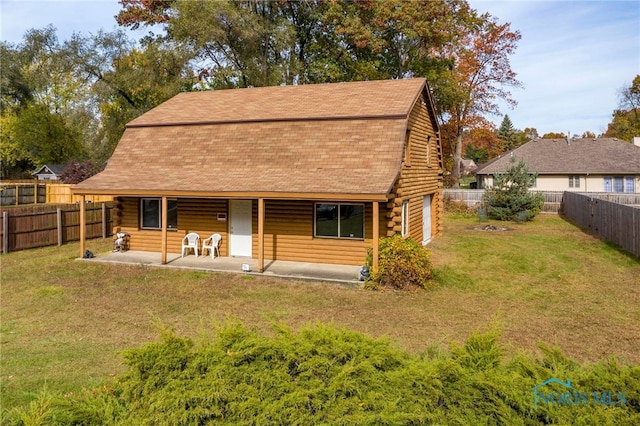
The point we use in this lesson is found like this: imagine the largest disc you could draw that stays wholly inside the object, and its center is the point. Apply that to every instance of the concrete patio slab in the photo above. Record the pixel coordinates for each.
(343, 274)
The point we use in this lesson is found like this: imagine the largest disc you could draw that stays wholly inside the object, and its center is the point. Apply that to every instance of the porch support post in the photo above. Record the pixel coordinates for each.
(163, 256)
(376, 234)
(260, 234)
(83, 224)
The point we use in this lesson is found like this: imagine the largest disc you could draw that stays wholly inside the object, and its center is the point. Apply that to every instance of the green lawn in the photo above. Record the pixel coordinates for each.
(65, 322)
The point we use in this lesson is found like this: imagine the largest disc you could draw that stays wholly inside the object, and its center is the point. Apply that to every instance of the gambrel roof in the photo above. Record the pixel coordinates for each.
(574, 156)
(324, 139)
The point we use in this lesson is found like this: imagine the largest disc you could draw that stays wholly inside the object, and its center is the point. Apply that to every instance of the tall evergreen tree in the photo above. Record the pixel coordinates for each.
(509, 197)
(507, 134)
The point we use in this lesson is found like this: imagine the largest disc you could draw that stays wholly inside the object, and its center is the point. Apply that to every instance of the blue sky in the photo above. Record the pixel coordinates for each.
(573, 57)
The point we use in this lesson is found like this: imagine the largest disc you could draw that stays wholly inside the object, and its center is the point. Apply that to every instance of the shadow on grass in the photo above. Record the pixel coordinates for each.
(610, 244)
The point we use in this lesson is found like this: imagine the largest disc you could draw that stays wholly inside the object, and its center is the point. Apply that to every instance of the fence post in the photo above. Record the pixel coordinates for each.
(35, 193)
(5, 232)
(104, 220)
(59, 225)
(17, 195)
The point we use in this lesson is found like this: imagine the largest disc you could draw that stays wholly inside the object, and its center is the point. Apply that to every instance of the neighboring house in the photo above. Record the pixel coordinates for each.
(582, 165)
(50, 171)
(313, 173)
(467, 167)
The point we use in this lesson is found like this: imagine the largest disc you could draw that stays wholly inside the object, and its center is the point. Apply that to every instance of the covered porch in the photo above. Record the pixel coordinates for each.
(266, 246)
(307, 271)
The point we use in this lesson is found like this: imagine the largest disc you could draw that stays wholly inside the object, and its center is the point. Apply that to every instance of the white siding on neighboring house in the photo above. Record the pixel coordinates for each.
(590, 183)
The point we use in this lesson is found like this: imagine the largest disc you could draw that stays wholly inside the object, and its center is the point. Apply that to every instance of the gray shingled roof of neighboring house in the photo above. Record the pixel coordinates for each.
(57, 169)
(322, 138)
(576, 156)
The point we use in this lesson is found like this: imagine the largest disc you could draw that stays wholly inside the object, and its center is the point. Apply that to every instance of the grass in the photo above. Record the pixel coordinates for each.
(65, 322)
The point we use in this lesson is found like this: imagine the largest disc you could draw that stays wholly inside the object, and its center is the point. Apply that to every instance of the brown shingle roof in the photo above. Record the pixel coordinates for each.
(381, 98)
(579, 156)
(344, 138)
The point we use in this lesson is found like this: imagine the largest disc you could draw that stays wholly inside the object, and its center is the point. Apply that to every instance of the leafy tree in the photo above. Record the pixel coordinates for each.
(509, 197)
(480, 70)
(530, 133)
(15, 89)
(146, 12)
(240, 44)
(125, 80)
(257, 43)
(392, 38)
(554, 135)
(45, 137)
(626, 119)
(76, 171)
(477, 154)
(45, 110)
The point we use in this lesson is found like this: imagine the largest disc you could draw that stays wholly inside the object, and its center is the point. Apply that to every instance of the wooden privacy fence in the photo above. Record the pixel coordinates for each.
(47, 225)
(473, 197)
(17, 193)
(614, 222)
(61, 193)
(21, 192)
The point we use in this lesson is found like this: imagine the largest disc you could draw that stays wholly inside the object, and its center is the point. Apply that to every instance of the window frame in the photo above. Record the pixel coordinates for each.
(629, 180)
(170, 225)
(574, 181)
(338, 206)
(407, 149)
(618, 184)
(404, 215)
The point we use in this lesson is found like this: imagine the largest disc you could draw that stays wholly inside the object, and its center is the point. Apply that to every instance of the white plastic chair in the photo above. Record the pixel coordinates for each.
(190, 241)
(212, 244)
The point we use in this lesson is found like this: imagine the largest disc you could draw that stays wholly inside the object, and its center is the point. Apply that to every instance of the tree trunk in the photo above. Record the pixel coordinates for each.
(457, 156)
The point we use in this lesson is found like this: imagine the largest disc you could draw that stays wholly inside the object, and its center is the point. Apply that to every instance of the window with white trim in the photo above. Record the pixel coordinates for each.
(619, 184)
(339, 220)
(405, 218)
(629, 184)
(407, 149)
(574, 181)
(151, 213)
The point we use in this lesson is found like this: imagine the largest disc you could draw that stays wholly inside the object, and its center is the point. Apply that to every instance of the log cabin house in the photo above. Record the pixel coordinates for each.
(311, 173)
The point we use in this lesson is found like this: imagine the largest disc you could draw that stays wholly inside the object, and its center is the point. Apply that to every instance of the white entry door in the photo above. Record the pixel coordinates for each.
(240, 235)
(426, 219)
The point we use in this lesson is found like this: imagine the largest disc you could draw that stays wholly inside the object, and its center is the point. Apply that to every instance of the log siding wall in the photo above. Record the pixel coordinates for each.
(420, 176)
(194, 215)
(288, 230)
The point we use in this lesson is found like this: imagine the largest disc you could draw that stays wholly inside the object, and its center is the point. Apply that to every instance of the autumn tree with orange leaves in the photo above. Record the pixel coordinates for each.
(479, 72)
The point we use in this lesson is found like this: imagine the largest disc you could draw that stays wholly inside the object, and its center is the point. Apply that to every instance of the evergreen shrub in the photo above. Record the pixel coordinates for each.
(403, 264)
(322, 374)
(509, 197)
